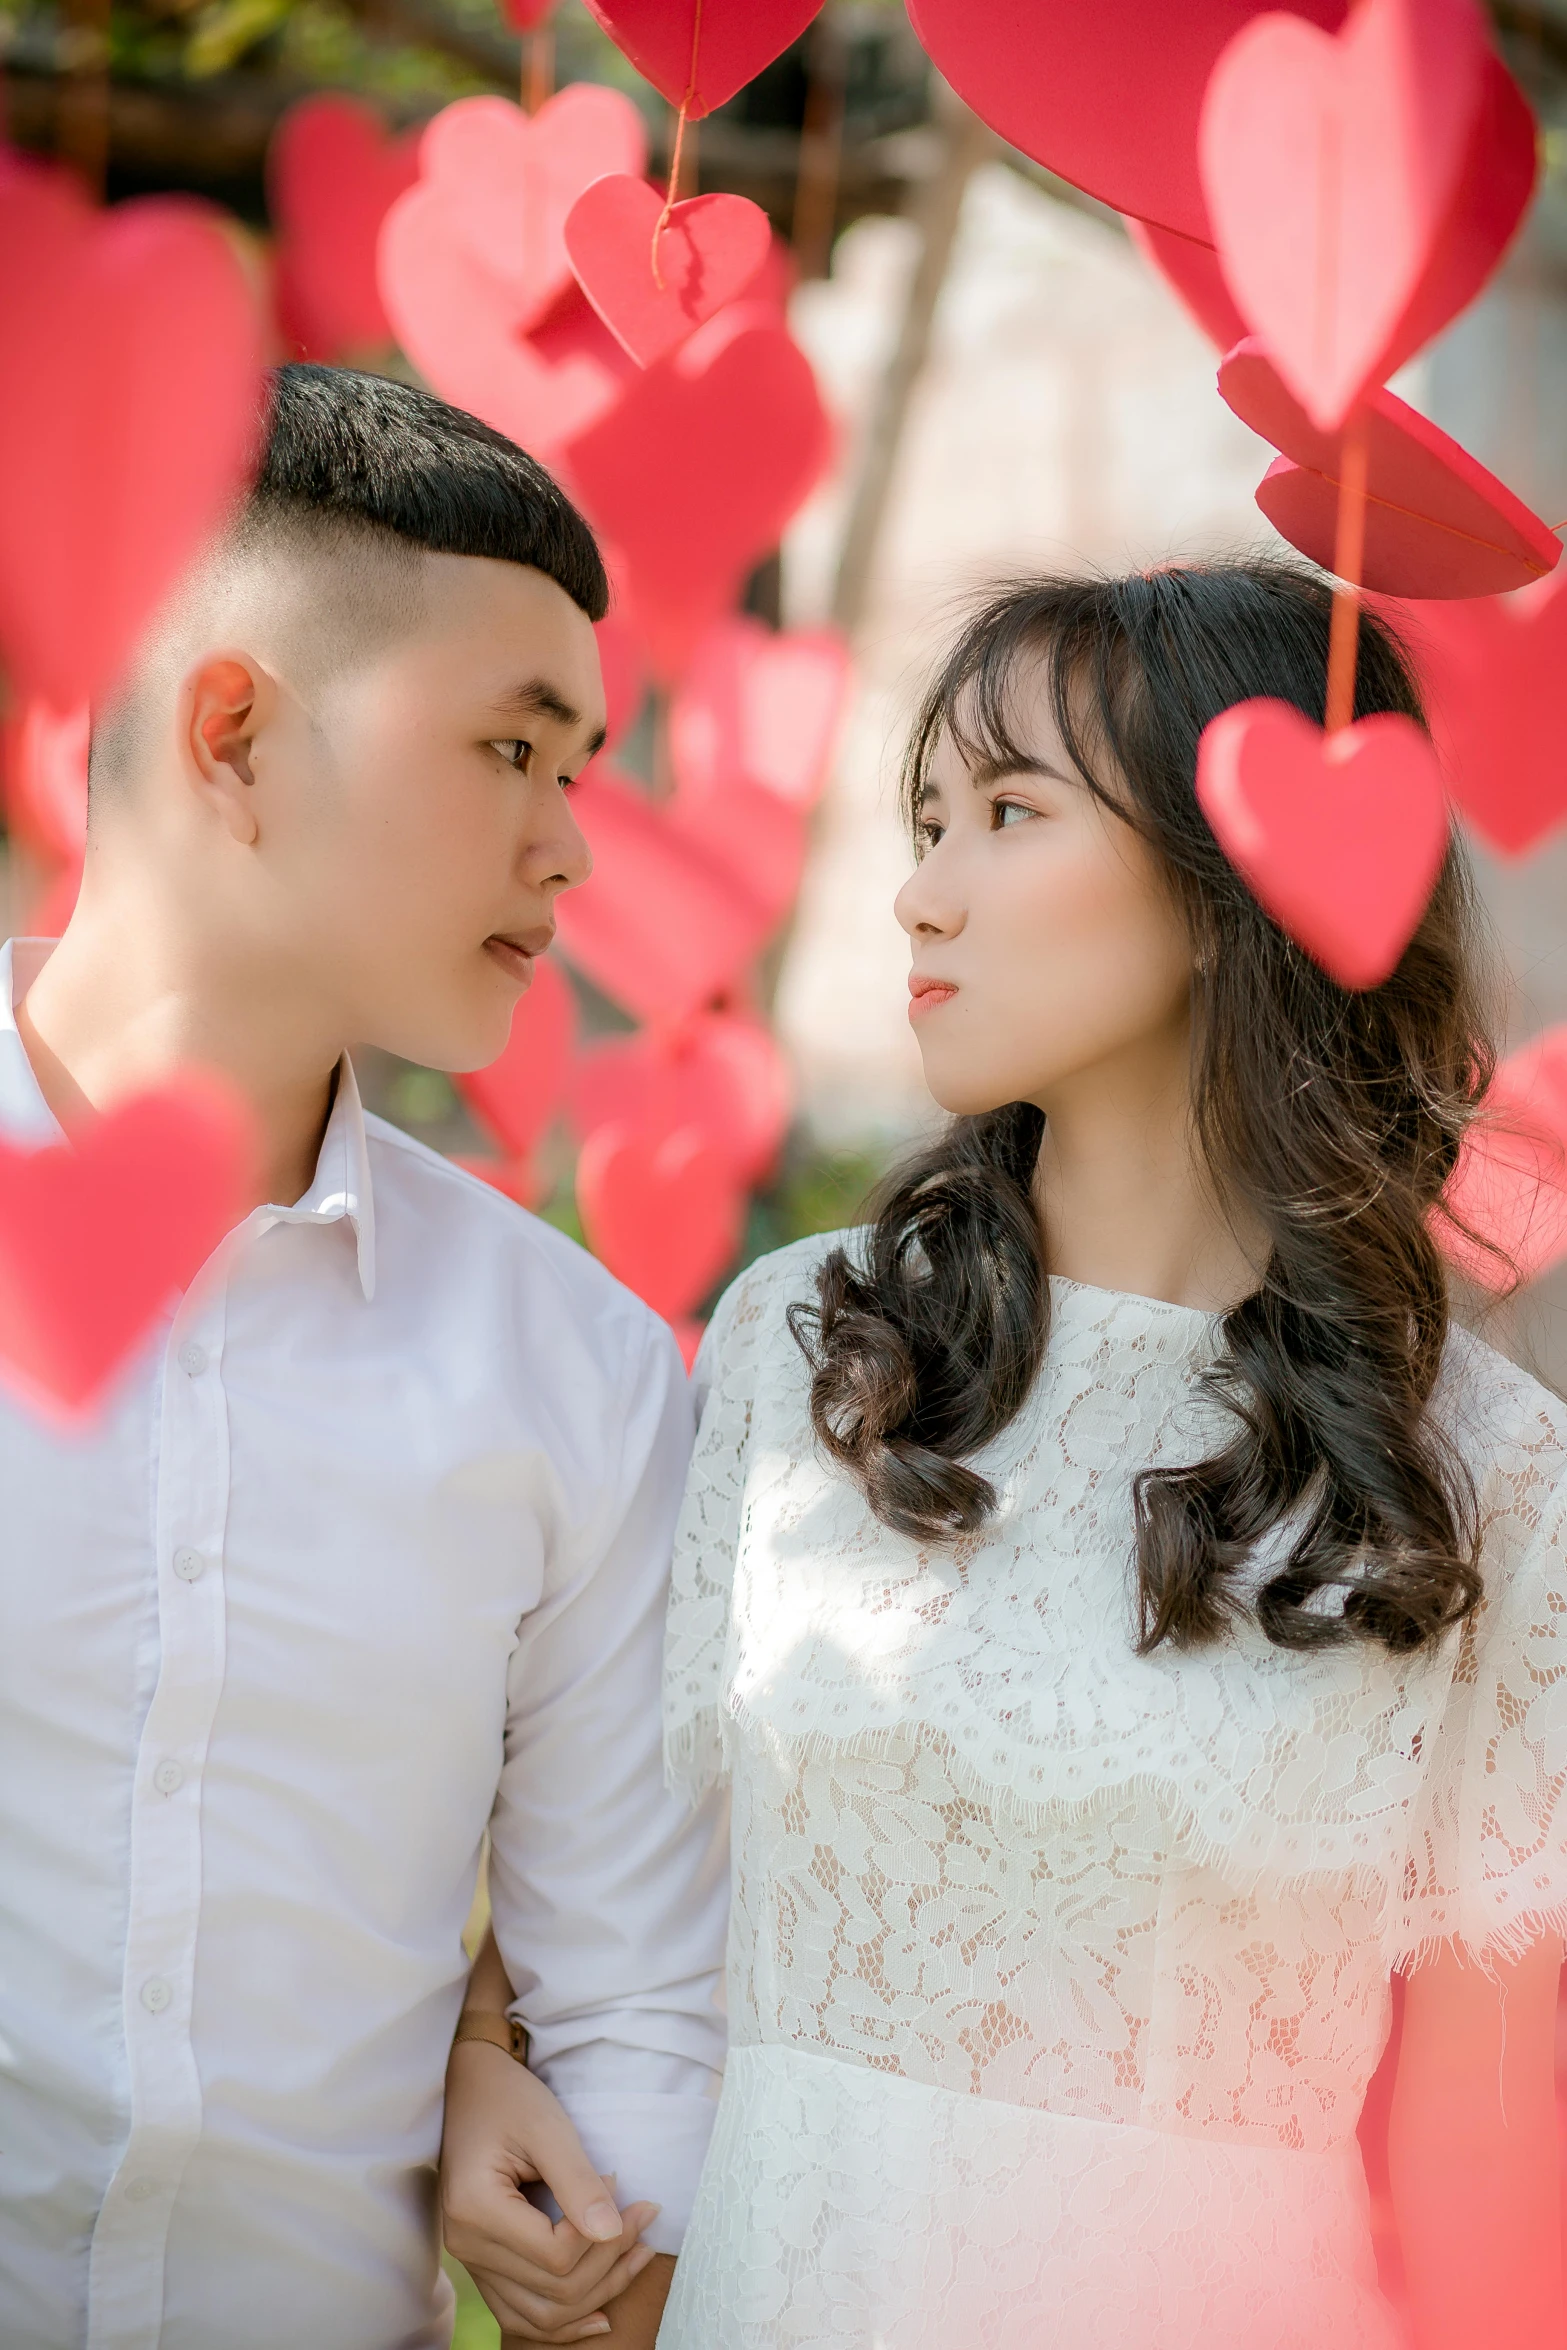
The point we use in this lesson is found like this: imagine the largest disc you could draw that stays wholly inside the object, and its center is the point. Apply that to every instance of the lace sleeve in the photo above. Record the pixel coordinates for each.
(1487, 1862)
(697, 1632)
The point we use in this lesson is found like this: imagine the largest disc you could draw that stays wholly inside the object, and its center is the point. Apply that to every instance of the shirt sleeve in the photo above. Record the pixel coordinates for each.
(1487, 1862)
(609, 1893)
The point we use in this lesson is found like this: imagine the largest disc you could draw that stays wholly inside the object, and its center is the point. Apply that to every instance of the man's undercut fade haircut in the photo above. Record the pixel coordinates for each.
(371, 454)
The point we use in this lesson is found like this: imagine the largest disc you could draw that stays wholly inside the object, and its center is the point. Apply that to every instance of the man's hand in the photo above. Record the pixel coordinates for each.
(545, 2281)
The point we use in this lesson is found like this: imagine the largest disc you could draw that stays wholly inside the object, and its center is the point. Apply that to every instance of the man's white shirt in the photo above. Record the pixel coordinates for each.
(367, 1553)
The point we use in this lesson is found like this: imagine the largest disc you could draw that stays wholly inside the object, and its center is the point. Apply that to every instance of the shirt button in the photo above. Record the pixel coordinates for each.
(169, 1777)
(141, 2190)
(189, 1565)
(193, 1358)
(156, 1994)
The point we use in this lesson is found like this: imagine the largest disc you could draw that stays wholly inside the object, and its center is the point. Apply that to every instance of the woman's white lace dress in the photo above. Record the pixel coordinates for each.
(1057, 1973)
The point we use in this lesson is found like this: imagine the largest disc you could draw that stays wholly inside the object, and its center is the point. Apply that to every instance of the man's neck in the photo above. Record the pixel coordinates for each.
(99, 1023)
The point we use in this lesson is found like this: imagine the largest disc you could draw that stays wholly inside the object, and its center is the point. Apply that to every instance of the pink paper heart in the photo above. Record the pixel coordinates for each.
(518, 1094)
(663, 1212)
(1339, 837)
(717, 1073)
(130, 406)
(460, 329)
(1332, 167)
(697, 468)
(701, 68)
(759, 706)
(709, 251)
(98, 1235)
(505, 181)
(46, 779)
(333, 174)
(1510, 1185)
(1495, 674)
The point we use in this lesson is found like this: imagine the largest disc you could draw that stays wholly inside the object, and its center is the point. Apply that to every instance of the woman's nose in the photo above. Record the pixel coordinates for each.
(924, 905)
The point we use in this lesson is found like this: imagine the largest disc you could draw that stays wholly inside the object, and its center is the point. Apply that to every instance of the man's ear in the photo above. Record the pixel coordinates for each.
(228, 699)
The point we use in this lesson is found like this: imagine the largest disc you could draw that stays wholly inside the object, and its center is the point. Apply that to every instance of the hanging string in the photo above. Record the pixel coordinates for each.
(539, 76)
(1349, 562)
(673, 193)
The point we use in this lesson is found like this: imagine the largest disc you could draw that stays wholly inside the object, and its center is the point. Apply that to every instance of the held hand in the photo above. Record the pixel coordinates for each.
(545, 2281)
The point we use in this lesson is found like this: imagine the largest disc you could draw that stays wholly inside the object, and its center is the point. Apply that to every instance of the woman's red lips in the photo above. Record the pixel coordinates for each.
(928, 993)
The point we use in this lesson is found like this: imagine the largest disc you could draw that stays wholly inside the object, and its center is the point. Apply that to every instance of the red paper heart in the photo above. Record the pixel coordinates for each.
(1108, 96)
(46, 780)
(130, 399)
(760, 707)
(519, 1093)
(1437, 524)
(737, 38)
(1498, 178)
(505, 181)
(663, 1212)
(696, 470)
(1340, 837)
(1510, 1185)
(1332, 167)
(1495, 676)
(333, 174)
(97, 1236)
(526, 16)
(721, 1074)
(460, 330)
(709, 251)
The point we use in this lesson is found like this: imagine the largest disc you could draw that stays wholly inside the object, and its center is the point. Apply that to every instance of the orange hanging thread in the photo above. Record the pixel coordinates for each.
(1349, 562)
(539, 84)
(673, 191)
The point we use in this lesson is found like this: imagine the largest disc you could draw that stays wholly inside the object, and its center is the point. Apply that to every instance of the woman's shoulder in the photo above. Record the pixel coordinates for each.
(753, 1311)
(1501, 1420)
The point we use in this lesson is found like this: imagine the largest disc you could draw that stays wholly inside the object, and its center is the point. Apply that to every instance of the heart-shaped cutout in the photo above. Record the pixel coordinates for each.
(719, 1074)
(761, 706)
(1437, 523)
(709, 251)
(1339, 837)
(99, 1234)
(46, 780)
(696, 470)
(662, 1211)
(701, 65)
(1495, 677)
(1332, 166)
(519, 1092)
(333, 174)
(130, 408)
(1510, 1184)
(506, 181)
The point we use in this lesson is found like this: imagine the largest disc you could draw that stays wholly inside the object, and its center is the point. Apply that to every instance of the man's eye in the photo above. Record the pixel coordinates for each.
(515, 752)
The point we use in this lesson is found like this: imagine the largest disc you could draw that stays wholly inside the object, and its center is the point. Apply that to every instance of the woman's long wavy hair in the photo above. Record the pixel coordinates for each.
(1332, 1118)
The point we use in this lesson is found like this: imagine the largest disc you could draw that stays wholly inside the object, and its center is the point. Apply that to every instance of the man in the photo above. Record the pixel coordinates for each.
(369, 1550)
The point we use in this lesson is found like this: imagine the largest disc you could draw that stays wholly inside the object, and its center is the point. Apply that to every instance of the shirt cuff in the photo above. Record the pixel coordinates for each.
(654, 2144)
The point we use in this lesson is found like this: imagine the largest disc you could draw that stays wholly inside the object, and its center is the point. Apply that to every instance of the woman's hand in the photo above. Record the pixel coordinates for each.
(1472, 2153)
(545, 2281)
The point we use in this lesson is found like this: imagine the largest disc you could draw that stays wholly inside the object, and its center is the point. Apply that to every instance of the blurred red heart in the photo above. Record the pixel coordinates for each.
(709, 251)
(1107, 96)
(46, 779)
(460, 330)
(696, 470)
(718, 1073)
(1510, 1185)
(505, 181)
(1339, 837)
(1437, 524)
(760, 706)
(333, 173)
(97, 1235)
(662, 1211)
(1495, 679)
(525, 16)
(1498, 179)
(1332, 166)
(130, 404)
(519, 1093)
(736, 42)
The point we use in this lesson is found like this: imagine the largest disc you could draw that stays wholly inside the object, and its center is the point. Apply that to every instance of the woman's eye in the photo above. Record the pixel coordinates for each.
(514, 751)
(1008, 810)
(928, 835)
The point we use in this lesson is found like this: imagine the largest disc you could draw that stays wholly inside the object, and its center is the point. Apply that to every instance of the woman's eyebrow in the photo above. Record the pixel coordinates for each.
(991, 770)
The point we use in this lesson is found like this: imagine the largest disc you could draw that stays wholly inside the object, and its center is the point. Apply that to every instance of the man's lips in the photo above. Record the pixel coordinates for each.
(927, 994)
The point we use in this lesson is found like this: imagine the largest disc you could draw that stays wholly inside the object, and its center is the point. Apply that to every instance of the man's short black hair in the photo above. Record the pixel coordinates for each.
(385, 456)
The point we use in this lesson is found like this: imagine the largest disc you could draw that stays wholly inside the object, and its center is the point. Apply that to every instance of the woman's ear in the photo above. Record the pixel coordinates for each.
(228, 699)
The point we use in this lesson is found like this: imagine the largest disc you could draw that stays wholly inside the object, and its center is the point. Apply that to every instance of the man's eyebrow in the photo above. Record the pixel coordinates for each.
(539, 699)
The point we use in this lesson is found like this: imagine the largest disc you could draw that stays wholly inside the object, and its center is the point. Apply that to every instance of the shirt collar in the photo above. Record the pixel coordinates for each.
(341, 1190)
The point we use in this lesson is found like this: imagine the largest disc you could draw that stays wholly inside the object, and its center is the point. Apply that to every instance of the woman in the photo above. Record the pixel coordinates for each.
(1129, 1613)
